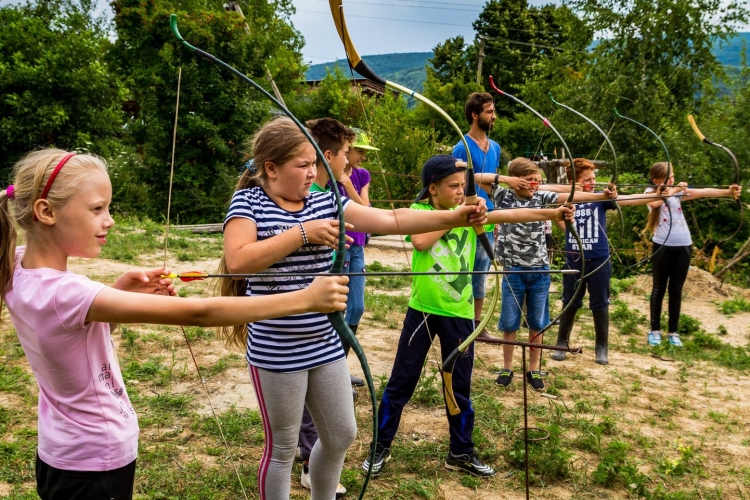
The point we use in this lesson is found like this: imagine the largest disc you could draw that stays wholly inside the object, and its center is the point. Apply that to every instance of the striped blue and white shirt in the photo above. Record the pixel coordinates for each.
(302, 341)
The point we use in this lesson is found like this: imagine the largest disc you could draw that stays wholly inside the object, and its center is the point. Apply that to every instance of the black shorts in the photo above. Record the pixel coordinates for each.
(58, 484)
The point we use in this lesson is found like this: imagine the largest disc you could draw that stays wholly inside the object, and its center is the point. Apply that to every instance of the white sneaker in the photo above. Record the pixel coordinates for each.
(305, 480)
(674, 340)
(654, 338)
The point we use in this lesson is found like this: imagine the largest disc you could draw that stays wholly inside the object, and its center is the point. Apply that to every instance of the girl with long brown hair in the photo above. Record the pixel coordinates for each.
(296, 361)
(671, 264)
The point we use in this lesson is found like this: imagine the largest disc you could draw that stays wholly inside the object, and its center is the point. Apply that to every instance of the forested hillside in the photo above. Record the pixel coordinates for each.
(407, 68)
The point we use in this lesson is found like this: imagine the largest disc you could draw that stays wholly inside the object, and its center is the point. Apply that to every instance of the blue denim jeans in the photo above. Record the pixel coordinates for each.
(355, 301)
(533, 289)
(481, 263)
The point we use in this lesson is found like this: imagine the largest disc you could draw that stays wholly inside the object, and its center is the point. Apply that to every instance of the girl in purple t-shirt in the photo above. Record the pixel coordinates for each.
(355, 184)
(87, 428)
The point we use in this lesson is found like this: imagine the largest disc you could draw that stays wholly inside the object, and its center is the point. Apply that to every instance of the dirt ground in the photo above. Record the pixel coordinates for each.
(714, 389)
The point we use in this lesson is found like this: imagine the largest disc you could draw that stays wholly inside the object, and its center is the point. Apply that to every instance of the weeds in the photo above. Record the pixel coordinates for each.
(429, 391)
(620, 285)
(387, 282)
(733, 306)
(627, 320)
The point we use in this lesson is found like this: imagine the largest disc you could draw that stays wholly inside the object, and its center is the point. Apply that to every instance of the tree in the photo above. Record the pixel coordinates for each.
(655, 65)
(528, 50)
(520, 38)
(332, 98)
(218, 112)
(55, 85)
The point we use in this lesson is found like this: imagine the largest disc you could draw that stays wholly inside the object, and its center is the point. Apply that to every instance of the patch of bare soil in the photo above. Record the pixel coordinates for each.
(664, 401)
(701, 296)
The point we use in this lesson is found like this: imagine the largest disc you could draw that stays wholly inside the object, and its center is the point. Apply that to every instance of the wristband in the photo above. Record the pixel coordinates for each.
(497, 178)
(304, 234)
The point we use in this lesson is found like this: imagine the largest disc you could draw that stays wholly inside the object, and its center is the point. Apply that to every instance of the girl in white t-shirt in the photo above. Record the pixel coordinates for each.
(671, 264)
(87, 428)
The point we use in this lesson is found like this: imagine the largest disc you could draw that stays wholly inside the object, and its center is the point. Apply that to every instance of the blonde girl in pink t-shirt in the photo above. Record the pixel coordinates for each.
(88, 430)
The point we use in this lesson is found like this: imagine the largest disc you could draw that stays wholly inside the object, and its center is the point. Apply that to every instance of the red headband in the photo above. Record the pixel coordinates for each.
(52, 177)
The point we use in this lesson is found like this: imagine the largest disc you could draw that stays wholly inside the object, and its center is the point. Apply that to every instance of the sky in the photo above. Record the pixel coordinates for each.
(382, 26)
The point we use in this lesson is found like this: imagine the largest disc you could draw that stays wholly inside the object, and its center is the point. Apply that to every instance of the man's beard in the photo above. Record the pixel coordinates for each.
(485, 125)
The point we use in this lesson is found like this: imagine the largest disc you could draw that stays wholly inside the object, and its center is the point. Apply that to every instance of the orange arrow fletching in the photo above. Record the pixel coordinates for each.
(192, 276)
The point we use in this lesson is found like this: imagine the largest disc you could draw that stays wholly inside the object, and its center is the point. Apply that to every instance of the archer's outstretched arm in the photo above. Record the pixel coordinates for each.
(408, 221)
(531, 215)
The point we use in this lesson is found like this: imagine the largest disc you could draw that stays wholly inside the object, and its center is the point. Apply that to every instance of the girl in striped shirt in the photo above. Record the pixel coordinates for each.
(275, 223)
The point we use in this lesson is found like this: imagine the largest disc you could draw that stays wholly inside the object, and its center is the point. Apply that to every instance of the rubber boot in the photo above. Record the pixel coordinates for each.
(601, 328)
(563, 333)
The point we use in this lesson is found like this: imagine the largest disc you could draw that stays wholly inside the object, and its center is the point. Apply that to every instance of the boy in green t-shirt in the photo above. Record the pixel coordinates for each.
(442, 305)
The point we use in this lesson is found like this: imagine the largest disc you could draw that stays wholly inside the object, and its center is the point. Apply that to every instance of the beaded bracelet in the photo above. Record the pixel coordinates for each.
(305, 241)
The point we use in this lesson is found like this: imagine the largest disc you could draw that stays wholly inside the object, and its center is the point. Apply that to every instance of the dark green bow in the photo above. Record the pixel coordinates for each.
(736, 173)
(612, 181)
(337, 318)
(568, 225)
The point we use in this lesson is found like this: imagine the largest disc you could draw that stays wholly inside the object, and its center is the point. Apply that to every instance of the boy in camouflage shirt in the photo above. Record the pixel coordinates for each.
(522, 247)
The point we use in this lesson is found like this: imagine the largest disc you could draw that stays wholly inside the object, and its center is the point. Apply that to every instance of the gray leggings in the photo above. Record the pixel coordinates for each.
(327, 392)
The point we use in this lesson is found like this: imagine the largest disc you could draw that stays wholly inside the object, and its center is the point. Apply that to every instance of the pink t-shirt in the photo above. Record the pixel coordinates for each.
(86, 421)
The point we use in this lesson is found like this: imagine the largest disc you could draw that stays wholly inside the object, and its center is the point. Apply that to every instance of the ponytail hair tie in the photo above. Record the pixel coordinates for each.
(10, 192)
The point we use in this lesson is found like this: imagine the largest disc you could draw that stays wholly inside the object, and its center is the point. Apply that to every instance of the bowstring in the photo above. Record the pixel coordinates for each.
(184, 334)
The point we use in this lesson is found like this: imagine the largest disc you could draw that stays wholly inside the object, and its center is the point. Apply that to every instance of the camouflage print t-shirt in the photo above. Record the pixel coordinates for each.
(522, 244)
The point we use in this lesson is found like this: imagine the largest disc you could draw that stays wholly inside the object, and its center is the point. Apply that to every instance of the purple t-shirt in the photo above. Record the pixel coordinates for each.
(86, 421)
(360, 178)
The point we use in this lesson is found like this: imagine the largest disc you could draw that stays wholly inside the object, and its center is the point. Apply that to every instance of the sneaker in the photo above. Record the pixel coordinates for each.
(674, 340)
(505, 377)
(468, 463)
(535, 380)
(340, 490)
(382, 456)
(654, 337)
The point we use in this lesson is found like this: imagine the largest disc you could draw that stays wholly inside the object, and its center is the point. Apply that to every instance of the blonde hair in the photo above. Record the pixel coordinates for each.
(278, 141)
(659, 170)
(521, 167)
(30, 175)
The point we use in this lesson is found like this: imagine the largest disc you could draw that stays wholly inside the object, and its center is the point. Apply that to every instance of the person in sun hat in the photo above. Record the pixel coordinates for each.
(355, 184)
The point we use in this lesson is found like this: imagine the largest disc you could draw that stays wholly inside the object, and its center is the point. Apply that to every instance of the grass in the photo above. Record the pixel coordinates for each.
(132, 238)
(640, 428)
(733, 306)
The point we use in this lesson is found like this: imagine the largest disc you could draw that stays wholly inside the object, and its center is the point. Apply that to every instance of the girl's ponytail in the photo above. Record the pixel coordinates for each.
(278, 141)
(233, 336)
(8, 238)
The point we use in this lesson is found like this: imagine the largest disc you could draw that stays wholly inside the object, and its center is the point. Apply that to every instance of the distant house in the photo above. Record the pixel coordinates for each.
(367, 87)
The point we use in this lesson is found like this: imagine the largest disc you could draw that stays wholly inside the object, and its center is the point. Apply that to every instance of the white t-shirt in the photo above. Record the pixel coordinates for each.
(680, 234)
(86, 421)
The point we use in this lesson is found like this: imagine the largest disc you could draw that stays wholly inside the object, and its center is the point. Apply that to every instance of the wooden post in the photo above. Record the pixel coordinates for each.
(481, 58)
